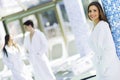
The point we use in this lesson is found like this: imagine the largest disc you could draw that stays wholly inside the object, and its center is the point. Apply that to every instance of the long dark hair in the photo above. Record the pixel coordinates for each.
(7, 37)
(101, 12)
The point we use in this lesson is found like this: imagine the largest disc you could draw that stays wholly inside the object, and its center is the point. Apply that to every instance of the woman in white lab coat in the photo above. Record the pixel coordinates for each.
(101, 42)
(11, 58)
(36, 44)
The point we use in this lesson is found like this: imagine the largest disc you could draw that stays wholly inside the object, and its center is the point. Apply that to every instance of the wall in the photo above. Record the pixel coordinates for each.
(77, 20)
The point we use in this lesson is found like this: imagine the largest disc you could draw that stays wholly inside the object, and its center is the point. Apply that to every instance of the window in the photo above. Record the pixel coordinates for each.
(14, 29)
(50, 23)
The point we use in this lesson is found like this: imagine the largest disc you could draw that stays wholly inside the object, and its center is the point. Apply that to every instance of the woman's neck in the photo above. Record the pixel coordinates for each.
(32, 31)
(10, 44)
(96, 22)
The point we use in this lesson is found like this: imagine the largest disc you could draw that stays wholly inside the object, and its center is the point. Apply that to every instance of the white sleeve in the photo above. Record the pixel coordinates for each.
(105, 39)
(6, 61)
(106, 44)
(101, 36)
(44, 44)
(25, 42)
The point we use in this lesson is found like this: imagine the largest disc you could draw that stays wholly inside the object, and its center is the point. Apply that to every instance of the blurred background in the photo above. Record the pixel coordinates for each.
(66, 26)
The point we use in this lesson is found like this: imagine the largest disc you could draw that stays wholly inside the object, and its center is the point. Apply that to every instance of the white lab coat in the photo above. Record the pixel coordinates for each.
(37, 47)
(105, 58)
(15, 64)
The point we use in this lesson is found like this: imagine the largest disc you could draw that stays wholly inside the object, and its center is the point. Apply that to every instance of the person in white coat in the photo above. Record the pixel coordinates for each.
(36, 45)
(101, 42)
(11, 58)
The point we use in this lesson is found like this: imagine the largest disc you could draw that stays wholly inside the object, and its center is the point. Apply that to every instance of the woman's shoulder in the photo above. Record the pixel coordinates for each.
(38, 32)
(104, 26)
(7, 47)
(26, 35)
(103, 23)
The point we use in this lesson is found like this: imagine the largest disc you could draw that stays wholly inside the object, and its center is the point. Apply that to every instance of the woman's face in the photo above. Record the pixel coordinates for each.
(27, 28)
(93, 13)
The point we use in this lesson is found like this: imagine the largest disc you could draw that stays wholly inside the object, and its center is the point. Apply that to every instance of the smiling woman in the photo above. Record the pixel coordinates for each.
(101, 42)
(93, 14)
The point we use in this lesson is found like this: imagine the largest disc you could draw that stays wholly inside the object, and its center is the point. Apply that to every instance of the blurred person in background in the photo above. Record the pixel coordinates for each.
(36, 45)
(101, 42)
(12, 59)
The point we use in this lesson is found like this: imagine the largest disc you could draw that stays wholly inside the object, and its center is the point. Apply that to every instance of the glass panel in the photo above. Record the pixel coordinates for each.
(50, 23)
(33, 2)
(63, 11)
(12, 6)
(14, 29)
(33, 18)
(71, 48)
(9, 7)
(2, 34)
(2, 31)
(65, 20)
(53, 33)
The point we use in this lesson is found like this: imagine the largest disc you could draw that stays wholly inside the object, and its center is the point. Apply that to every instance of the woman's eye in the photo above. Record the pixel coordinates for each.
(94, 10)
(89, 11)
